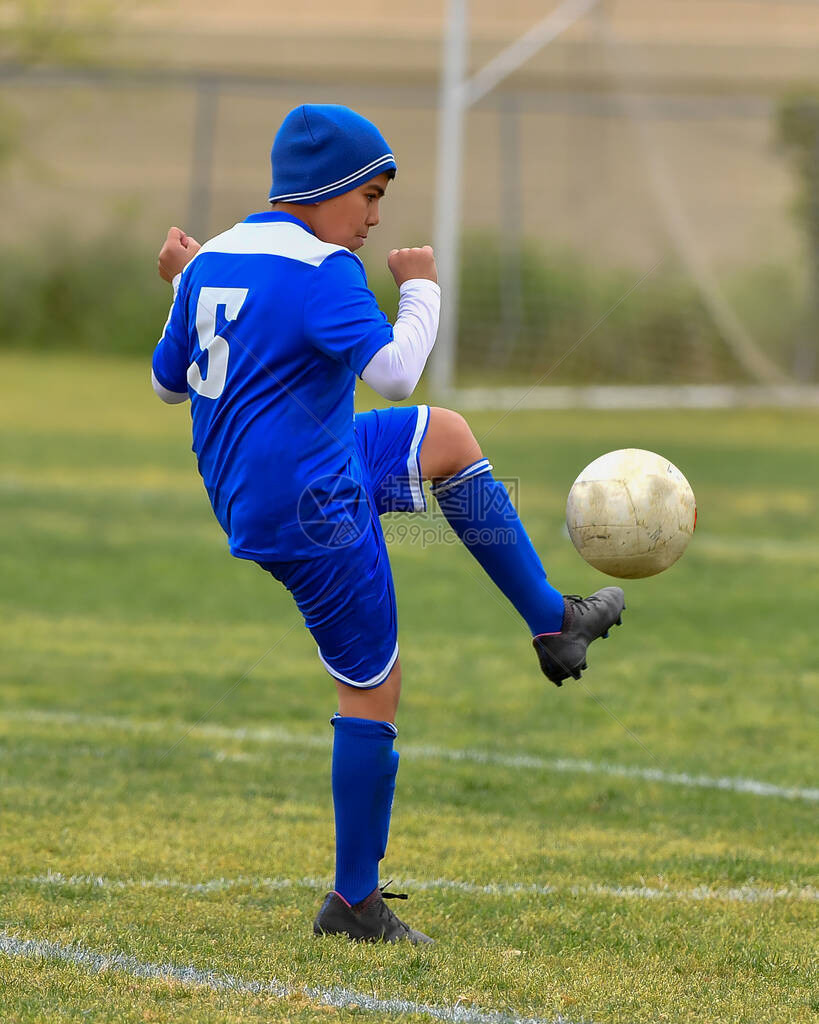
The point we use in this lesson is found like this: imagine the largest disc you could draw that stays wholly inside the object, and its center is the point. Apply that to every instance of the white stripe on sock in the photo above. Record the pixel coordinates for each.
(481, 466)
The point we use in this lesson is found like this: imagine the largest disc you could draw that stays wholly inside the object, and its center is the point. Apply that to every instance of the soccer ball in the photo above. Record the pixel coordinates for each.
(631, 513)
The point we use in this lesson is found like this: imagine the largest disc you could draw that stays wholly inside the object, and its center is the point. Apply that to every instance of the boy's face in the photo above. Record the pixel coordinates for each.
(347, 219)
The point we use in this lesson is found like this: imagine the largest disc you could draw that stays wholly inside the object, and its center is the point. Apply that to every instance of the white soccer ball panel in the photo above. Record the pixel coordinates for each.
(627, 552)
(599, 503)
(631, 513)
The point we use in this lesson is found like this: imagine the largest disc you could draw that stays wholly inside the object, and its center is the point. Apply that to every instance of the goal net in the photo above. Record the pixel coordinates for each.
(629, 236)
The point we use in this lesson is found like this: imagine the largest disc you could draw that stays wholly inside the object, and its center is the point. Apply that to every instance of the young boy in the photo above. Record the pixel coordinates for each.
(270, 325)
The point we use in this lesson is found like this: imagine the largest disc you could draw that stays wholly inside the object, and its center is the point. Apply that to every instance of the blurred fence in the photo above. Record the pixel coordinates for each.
(575, 268)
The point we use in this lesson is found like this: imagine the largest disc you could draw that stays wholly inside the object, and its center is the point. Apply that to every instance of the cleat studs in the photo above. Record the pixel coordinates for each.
(604, 636)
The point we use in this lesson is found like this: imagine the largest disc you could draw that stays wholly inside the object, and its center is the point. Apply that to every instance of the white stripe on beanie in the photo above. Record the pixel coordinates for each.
(364, 173)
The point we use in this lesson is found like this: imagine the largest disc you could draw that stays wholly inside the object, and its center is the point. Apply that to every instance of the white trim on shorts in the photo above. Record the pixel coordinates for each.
(368, 684)
(419, 502)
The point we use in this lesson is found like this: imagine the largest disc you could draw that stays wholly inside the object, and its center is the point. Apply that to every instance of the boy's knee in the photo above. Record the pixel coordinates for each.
(378, 704)
(449, 446)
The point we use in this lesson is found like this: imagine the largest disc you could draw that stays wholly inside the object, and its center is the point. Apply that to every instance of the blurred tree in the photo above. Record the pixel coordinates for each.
(798, 129)
(47, 32)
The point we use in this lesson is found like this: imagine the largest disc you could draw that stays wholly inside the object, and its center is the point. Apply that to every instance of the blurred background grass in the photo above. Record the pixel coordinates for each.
(643, 126)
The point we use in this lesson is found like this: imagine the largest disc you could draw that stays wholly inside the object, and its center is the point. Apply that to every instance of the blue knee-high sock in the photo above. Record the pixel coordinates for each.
(364, 770)
(479, 510)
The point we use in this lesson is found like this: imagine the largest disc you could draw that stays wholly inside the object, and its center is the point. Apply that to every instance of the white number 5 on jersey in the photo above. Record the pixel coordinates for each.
(216, 347)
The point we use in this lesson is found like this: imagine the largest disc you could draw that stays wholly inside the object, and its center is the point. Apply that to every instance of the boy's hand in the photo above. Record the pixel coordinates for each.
(407, 264)
(177, 252)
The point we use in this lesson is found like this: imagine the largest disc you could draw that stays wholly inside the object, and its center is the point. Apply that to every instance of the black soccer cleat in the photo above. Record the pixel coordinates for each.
(563, 654)
(371, 920)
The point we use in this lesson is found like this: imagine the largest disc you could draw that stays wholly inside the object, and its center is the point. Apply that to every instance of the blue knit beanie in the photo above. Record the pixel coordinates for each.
(323, 150)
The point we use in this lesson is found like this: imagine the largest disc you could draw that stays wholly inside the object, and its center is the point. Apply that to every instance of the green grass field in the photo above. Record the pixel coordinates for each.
(591, 894)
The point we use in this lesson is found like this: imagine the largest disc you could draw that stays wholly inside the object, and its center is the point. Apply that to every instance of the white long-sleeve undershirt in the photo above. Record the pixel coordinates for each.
(396, 368)
(169, 397)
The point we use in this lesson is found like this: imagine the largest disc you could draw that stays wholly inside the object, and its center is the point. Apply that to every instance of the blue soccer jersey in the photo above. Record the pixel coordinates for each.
(269, 329)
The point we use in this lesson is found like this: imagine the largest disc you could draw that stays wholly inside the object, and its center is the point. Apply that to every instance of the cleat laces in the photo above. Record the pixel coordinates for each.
(385, 911)
(391, 895)
(582, 604)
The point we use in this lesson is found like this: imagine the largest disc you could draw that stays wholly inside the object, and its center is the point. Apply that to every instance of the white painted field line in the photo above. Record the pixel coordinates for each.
(574, 765)
(415, 752)
(738, 894)
(700, 893)
(258, 734)
(342, 998)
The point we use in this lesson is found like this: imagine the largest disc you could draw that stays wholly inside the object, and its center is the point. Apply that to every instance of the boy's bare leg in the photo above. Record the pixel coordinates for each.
(378, 705)
(449, 445)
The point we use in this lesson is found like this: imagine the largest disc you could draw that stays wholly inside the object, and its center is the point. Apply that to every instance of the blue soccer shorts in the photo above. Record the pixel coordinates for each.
(346, 593)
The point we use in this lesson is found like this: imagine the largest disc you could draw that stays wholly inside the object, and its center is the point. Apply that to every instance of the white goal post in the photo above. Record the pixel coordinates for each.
(459, 92)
